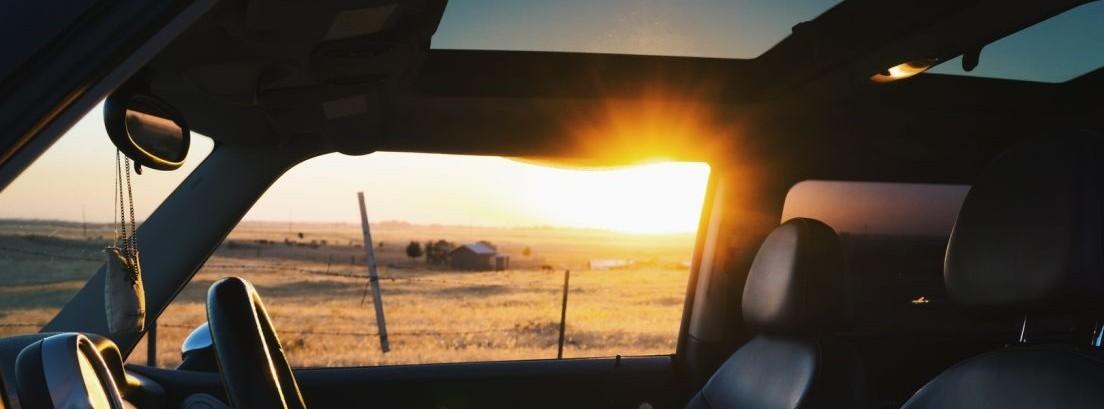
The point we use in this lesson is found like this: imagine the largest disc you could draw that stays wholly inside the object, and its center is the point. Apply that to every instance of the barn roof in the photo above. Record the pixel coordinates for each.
(478, 248)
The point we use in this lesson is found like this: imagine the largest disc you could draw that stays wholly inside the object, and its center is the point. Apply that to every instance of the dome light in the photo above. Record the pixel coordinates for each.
(903, 70)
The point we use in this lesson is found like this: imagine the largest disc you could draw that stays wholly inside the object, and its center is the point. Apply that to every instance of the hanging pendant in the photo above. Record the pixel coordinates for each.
(124, 295)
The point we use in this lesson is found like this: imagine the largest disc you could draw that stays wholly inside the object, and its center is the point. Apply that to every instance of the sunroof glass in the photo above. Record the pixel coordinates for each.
(1059, 49)
(706, 28)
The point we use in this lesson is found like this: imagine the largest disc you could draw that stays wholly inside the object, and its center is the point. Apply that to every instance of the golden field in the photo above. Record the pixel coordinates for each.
(314, 288)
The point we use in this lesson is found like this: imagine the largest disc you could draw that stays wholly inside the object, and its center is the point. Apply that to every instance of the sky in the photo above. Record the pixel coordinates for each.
(75, 178)
(699, 28)
(488, 191)
(1056, 50)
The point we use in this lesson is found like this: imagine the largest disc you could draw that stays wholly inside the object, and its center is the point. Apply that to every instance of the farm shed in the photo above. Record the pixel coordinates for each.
(477, 256)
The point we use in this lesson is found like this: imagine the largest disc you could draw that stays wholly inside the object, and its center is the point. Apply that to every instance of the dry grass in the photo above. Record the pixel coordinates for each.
(433, 314)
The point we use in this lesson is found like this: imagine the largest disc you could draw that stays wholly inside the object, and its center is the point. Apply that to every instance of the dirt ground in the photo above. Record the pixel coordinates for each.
(314, 288)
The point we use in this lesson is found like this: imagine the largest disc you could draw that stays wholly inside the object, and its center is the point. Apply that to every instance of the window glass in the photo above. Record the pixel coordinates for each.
(894, 237)
(705, 28)
(1059, 49)
(57, 216)
(472, 254)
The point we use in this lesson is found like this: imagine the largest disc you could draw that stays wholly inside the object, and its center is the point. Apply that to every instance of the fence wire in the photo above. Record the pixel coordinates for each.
(277, 266)
(414, 333)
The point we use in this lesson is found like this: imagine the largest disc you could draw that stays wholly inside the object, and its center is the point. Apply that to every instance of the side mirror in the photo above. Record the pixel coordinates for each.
(146, 129)
(197, 353)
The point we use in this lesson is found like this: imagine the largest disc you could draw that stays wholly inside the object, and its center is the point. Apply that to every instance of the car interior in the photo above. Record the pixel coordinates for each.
(783, 309)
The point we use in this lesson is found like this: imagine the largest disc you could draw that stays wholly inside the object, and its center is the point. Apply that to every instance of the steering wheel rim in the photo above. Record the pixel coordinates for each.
(251, 360)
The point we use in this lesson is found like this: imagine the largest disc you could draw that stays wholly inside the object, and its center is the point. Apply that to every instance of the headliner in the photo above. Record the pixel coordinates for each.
(246, 75)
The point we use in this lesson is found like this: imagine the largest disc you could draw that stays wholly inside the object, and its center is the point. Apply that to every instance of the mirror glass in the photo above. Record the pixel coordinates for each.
(152, 130)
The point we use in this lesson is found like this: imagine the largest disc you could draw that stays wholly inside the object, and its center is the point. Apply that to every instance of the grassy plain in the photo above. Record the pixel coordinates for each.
(314, 285)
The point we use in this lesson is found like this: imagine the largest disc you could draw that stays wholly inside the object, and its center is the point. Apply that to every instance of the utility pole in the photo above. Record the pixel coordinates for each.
(373, 276)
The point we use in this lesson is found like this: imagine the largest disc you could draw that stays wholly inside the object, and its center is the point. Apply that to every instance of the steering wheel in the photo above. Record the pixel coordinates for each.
(255, 372)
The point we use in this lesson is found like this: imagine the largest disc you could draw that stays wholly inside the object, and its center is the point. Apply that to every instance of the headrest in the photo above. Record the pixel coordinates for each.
(1030, 235)
(796, 281)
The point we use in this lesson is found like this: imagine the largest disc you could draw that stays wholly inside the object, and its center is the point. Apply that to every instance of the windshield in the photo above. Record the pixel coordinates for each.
(508, 248)
(57, 216)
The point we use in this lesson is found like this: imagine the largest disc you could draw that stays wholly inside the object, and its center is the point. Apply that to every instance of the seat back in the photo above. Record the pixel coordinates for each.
(1029, 240)
(794, 299)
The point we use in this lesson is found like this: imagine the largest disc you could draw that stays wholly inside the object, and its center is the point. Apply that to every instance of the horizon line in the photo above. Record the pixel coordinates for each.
(382, 222)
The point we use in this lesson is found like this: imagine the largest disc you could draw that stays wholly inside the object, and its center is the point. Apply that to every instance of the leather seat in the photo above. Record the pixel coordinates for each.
(794, 297)
(1029, 242)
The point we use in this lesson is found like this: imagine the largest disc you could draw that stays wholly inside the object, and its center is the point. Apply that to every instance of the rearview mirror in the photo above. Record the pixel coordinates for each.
(146, 129)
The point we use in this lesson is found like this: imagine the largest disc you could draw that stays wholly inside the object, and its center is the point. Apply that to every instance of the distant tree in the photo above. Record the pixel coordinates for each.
(413, 250)
(437, 252)
(526, 251)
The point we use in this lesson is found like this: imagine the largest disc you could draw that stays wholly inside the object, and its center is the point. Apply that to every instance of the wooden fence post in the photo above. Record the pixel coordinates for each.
(373, 277)
(151, 344)
(563, 314)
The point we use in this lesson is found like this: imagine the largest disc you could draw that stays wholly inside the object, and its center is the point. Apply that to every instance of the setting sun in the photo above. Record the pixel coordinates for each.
(654, 198)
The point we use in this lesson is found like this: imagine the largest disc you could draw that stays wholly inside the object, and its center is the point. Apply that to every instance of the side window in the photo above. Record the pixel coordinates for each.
(894, 236)
(472, 255)
(57, 216)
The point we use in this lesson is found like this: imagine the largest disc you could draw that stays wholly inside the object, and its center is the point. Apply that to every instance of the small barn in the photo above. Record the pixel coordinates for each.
(478, 257)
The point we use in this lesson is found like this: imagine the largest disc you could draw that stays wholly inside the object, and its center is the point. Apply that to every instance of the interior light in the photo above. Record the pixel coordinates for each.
(903, 70)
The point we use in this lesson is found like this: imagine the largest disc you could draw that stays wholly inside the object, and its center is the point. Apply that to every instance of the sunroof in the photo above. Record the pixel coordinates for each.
(705, 28)
(1059, 49)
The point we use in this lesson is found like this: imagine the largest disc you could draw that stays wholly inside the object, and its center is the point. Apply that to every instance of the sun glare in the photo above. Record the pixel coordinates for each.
(489, 191)
(655, 198)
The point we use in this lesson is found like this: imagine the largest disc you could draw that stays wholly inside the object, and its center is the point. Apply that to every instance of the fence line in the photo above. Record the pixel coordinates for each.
(393, 278)
(47, 254)
(415, 333)
(261, 265)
